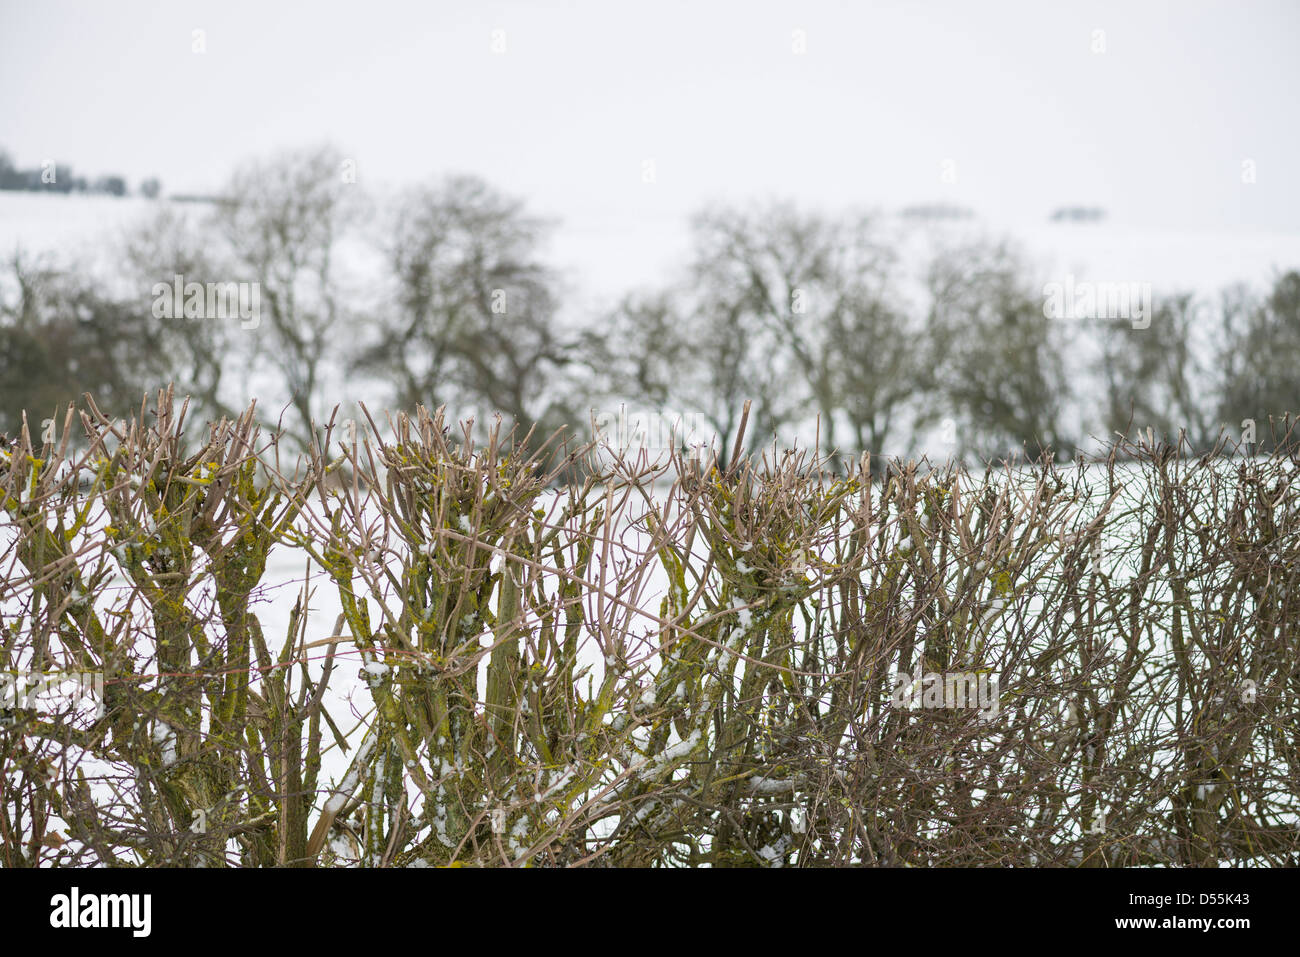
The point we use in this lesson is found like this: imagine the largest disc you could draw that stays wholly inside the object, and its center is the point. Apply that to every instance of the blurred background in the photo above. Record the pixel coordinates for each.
(941, 229)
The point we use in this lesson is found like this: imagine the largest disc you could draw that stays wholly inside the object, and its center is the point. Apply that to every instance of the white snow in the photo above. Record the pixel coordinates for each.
(165, 738)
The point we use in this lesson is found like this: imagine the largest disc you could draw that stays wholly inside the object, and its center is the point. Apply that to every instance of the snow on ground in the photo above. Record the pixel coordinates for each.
(602, 259)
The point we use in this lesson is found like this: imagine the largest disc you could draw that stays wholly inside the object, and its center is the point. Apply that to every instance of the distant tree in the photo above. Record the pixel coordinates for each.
(997, 361)
(670, 351)
(200, 356)
(877, 364)
(10, 177)
(111, 185)
(61, 336)
(282, 220)
(641, 350)
(151, 187)
(1154, 377)
(787, 308)
(473, 319)
(1259, 373)
(807, 284)
(64, 181)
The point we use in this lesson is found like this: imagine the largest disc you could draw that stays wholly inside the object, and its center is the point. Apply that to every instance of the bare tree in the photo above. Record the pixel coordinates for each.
(283, 220)
(681, 350)
(878, 366)
(198, 353)
(1260, 342)
(997, 360)
(62, 335)
(474, 317)
(819, 288)
(1153, 377)
(789, 309)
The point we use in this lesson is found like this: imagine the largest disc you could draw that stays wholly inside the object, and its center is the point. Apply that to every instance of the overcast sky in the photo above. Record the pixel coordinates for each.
(1009, 97)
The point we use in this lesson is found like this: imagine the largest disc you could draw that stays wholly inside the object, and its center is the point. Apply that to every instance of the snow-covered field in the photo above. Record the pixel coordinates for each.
(603, 259)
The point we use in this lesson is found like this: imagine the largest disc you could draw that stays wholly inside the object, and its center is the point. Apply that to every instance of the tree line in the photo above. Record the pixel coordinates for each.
(52, 177)
(442, 296)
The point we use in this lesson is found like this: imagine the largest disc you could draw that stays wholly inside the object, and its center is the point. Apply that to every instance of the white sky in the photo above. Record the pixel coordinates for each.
(1154, 129)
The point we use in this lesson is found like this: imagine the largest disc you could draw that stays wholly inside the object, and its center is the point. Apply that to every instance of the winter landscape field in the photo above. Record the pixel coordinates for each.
(570, 435)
